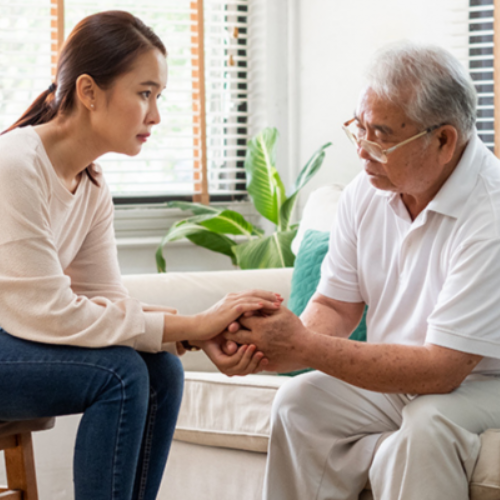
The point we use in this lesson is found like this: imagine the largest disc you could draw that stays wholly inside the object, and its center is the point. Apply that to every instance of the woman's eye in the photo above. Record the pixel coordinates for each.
(158, 97)
(146, 94)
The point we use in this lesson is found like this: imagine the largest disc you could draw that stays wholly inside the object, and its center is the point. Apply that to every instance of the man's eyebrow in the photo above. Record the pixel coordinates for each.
(382, 128)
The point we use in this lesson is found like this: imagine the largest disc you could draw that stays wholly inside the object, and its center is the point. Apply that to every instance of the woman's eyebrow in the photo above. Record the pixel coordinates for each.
(150, 83)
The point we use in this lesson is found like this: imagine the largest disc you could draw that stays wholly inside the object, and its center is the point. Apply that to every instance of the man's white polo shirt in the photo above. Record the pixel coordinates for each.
(434, 280)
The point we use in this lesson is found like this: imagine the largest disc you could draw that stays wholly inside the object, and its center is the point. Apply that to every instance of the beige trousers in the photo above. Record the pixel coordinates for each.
(325, 432)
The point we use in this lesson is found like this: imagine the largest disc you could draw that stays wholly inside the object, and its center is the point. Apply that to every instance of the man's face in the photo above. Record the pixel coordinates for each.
(412, 169)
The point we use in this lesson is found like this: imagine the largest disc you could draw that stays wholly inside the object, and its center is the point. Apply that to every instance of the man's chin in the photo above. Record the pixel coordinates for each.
(381, 182)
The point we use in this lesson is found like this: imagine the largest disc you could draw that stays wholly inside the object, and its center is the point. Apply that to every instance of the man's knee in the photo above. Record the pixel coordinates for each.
(422, 427)
(290, 399)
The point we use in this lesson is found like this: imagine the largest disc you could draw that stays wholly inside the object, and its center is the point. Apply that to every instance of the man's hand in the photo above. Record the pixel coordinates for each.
(232, 359)
(278, 334)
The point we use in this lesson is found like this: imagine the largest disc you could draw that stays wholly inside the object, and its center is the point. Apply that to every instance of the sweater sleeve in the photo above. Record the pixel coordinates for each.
(37, 301)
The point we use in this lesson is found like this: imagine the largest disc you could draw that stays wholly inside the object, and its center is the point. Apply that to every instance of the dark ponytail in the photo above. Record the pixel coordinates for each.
(103, 46)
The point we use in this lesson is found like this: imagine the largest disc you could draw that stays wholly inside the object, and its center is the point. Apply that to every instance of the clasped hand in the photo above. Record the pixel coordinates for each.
(230, 357)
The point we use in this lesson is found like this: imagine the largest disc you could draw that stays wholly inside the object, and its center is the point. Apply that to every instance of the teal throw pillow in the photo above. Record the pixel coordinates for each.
(306, 276)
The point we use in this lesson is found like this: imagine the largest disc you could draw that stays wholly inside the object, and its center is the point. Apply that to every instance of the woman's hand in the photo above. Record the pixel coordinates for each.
(232, 359)
(213, 321)
(220, 317)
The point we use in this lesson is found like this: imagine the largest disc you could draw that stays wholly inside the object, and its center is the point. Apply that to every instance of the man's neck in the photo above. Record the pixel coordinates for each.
(416, 203)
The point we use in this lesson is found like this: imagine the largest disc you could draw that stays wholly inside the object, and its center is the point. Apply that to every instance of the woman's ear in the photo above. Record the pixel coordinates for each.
(86, 91)
(447, 137)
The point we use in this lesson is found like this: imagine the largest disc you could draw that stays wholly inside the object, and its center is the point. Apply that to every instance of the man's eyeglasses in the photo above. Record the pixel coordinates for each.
(374, 149)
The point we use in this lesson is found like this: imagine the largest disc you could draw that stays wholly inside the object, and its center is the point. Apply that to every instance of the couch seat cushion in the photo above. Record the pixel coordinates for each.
(227, 412)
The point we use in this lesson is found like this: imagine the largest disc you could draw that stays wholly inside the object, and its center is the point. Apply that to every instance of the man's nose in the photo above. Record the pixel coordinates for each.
(363, 153)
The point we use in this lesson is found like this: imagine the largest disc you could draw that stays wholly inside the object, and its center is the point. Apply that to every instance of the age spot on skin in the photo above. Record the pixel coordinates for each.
(403, 125)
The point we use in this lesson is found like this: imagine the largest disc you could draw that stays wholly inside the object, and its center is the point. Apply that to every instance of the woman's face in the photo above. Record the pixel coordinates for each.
(125, 113)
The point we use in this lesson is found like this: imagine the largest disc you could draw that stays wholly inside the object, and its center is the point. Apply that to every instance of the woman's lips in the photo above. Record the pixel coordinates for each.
(143, 137)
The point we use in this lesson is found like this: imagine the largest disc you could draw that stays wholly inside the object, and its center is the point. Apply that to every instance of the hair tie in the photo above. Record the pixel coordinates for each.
(52, 87)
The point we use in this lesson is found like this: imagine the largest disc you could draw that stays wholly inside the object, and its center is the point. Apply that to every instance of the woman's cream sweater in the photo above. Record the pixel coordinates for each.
(59, 276)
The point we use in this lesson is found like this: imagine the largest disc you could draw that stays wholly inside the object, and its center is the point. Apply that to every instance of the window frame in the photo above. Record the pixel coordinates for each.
(201, 192)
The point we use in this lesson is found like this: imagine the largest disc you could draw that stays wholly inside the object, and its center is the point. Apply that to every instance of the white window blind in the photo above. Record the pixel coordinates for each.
(25, 55)
(481, 59)
(170, 164)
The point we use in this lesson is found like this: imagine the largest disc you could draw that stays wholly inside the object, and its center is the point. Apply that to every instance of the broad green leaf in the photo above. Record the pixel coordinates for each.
(196, 208)
(260, 167)
(214, 242)
(306, 174)
(311, 167)
(197, 234)
(229, 222)
(265, 253)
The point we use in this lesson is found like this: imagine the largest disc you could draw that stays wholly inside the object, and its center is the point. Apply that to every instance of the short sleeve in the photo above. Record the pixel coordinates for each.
(339, 271)
(466, 316)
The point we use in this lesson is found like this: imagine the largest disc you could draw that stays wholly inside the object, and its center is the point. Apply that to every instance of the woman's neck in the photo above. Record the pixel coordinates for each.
(71, 147)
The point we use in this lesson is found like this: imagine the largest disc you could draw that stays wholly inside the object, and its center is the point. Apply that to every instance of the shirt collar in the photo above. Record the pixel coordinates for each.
(451, 198)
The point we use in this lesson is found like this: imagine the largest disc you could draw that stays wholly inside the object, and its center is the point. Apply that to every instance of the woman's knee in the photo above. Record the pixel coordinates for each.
(127, 373)
(166, 376)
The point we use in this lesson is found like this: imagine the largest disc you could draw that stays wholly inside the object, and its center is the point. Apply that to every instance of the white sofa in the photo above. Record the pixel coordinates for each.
(219, 449)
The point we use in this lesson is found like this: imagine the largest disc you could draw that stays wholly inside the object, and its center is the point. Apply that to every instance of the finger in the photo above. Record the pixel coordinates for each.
(254, 362)
(231, 361)
(242, 366)
(255, 305)
(233, 327)
(264, 362)
(261, 294)
(229, 347)
(250, 322)
(240, 337)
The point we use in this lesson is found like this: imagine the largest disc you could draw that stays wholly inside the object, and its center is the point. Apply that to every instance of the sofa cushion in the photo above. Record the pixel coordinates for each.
(319, 212)
(485, 482)
(227, 412)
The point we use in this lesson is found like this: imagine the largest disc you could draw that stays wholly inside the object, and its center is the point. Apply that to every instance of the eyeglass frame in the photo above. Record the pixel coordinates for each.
(387, 151)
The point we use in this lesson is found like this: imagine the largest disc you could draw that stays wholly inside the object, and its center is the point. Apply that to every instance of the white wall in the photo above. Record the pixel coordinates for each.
(336, 40)
(308, 62)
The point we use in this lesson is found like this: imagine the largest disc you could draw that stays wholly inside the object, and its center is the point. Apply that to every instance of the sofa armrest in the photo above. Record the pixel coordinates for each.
(194, 292)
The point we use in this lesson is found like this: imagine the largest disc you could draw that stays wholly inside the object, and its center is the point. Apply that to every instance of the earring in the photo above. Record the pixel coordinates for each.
(92, 106)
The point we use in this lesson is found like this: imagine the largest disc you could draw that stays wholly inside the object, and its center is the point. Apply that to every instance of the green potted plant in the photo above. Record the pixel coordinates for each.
(213, 228)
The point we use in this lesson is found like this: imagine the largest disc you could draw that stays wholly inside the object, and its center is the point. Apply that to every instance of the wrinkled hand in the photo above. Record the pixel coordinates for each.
(278, 334)
(225, 312)
(232, 359)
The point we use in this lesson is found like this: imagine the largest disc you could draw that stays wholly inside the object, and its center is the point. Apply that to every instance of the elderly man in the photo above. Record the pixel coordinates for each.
(417, 239)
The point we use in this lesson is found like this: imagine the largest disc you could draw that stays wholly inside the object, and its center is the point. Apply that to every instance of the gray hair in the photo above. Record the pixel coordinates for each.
(430, 84)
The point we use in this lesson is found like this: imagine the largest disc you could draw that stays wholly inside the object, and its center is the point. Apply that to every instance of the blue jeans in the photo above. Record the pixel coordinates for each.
(129, 400)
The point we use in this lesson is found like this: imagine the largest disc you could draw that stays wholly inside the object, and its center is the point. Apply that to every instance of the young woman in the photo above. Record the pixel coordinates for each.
(71, 338)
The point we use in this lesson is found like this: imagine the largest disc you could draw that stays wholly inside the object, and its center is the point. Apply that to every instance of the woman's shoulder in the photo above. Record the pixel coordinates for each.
(19, 152)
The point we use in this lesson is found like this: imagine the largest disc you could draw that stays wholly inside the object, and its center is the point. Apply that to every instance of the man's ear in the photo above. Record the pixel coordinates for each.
(447, 137)
(86, 92)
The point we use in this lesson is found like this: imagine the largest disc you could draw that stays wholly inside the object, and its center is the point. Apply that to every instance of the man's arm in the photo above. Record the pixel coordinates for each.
(332, 317)
(319, 341)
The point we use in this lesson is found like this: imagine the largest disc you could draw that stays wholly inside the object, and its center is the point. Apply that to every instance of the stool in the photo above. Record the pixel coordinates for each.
(15, 441)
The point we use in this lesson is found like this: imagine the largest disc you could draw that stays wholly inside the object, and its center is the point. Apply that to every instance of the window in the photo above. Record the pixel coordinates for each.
(481, 67)
(199, 148)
